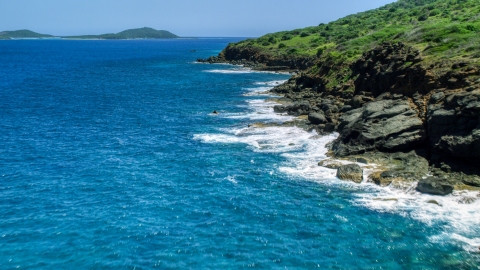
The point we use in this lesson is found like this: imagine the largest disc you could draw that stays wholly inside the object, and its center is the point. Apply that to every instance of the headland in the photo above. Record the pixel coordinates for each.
(400, 84)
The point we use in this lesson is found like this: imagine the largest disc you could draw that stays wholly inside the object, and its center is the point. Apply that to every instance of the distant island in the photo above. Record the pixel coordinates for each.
(138, 33)
(22, 34)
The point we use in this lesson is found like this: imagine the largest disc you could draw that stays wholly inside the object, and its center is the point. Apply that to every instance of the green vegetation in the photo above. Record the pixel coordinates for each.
(22, 34)
(139, 33)
(441, 29)
(148, 33)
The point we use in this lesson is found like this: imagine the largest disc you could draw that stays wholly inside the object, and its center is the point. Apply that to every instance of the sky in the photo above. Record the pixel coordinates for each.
(186, 18)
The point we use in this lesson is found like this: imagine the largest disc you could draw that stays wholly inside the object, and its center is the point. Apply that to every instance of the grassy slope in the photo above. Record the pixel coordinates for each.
(442, 29)
(132, 34)
(21, 34)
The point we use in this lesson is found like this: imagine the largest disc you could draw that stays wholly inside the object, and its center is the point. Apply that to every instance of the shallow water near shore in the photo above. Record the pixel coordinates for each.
(110, 157)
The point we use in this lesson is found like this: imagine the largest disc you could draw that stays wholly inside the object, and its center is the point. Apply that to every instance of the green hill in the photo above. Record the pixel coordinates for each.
(403, 78)
(21, 34)
(441, 29)
(139, 33)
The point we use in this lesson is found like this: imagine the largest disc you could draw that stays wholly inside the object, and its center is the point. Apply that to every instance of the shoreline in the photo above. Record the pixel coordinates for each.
(406, 109)
(371, 168)
(455, 213)
(382, 159)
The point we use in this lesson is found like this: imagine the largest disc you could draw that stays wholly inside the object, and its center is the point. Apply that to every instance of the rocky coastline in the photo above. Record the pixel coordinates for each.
(259, 60)
(417, 122)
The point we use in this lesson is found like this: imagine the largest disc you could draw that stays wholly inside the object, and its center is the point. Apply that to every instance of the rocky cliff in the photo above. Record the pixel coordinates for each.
(260, 59)
(400, 84)
(391, 103)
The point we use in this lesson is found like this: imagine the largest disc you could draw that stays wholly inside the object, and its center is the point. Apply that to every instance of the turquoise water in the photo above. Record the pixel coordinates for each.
(110, 158)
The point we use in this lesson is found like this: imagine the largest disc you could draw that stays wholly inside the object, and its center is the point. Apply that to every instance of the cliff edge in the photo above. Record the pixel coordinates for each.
(400, 84)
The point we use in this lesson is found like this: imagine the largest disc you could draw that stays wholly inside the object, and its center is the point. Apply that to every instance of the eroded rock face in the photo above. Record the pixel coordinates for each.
(387, 101)
(453, 121)
(392, 103)
(390, 68)
(387, 125)
(351, 172)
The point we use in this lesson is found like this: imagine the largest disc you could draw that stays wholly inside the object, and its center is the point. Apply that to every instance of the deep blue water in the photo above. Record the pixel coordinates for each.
(105, 162)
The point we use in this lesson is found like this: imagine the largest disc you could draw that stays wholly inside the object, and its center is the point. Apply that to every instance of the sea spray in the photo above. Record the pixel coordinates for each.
(458, 214)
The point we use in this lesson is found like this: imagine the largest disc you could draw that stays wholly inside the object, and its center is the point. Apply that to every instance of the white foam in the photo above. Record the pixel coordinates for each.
(259, 110)
(271, 83)
(268, 139)
(458, 214)
(258, 91)
(231, 71)
(262, 90)
(304, 163)
(242, 70)
(468, 244)
(231, 179)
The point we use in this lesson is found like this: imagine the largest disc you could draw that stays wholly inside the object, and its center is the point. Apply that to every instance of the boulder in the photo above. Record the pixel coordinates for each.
(300, 108)
(317, 118)
(398, 167)
(381, 180)
(472, 180)
(434, 186)
(350, 172)
(346, 108)
(280, 108)
(330, 164)
(329, 106)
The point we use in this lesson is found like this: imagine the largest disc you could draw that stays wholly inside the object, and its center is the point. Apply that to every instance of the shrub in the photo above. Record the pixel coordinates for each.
(272, 40)
(434, 12)
(281, 45)
(471, 27)
(423, 17)
(287, 37)
(304, 34)
(319, 52)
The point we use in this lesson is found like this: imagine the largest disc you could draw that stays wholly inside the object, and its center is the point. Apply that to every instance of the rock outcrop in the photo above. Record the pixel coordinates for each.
(351, 172)
(387, 101)
(385, 125)
(434, 186)
(392, 103)
(453, 121)
(259, 59)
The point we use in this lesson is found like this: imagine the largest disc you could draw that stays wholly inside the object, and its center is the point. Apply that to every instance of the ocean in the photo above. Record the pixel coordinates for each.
(111, 157)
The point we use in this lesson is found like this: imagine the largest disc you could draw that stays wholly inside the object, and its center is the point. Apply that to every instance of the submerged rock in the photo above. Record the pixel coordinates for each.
(350, 172)
(331, 164)
(433, 202)
(434, 186)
